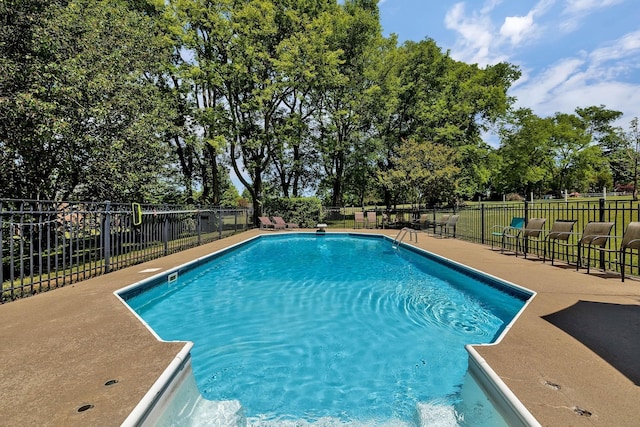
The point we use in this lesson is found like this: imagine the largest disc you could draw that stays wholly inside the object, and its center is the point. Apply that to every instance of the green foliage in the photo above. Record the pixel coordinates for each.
(152, 101)
(88, 122)
(424, 172)
(526, 153)
(305, 211)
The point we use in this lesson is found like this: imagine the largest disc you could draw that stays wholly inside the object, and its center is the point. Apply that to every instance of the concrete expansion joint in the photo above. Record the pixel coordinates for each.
(575, 409)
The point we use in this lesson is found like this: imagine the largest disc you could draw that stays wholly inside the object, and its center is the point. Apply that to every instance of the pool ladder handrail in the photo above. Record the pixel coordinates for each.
(401, 235)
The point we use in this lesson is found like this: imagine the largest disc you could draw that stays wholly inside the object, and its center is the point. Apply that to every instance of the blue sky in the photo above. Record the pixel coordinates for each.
(572, 53)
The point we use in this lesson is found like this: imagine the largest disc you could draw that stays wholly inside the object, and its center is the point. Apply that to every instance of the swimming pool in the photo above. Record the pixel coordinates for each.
(339, 327)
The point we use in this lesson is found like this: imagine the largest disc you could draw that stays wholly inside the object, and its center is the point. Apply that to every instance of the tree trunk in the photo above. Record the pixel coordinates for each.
(336, 197)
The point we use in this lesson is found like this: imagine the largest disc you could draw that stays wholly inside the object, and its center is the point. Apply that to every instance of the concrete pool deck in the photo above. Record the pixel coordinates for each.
(572, 358)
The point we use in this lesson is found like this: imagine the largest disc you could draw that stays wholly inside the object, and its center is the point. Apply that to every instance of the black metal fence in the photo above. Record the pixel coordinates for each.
(481, 223)
(47, 244)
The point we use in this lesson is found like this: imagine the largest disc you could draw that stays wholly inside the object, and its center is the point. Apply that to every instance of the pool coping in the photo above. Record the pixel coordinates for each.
(60, 347)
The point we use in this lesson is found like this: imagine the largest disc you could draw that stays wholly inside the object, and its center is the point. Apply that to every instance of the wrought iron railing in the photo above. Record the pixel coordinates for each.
(47, 244)
(478, 221)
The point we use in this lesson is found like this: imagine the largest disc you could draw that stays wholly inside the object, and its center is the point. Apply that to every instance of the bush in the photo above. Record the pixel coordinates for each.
(305, 211)
(514, 197)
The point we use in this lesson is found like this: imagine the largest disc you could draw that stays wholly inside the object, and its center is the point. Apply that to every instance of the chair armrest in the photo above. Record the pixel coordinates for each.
(590, 238)
(512, 230)
(629, 244)
(554, 235)
(499, 229)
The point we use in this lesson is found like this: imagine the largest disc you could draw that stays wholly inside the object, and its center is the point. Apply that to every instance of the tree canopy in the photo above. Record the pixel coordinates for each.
(165, 101)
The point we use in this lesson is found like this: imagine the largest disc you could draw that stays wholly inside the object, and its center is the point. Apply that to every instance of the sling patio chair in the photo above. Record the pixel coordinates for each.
(266, 224)
(511, 231)
(561, 231)
(372, 219)
(533, 233)
(630, 240)
(449, 225)
(358, 218)
(595, 236)
(280, 221)
(399, 220)
(421, 222)
(439, 223)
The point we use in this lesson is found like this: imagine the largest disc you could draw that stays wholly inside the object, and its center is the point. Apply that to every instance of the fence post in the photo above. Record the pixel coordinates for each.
(601, 206)
(1, 253)
(526, 221)
(106, 236)
(199, 226)
(165, 234)
(482, 222)
(220, 223)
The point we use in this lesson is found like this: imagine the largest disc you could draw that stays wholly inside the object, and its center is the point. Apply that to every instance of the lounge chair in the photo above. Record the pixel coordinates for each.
(450, 225)
(265, 224)
(532, 233)
(420, 223)
(372, 219)
(630, 240)
(440, 223)
(561, 231)
(279, 221)
(399, 221)
(595, 236)
(358, 218)
(511, 231)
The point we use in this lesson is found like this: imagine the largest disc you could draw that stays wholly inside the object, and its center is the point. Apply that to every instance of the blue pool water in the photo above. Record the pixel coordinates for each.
(300, 327)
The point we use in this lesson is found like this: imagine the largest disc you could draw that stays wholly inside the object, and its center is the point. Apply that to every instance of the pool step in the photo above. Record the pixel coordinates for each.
(323, 422)
(427, 415)
(436, 415)
(226, 413)
(231, 414)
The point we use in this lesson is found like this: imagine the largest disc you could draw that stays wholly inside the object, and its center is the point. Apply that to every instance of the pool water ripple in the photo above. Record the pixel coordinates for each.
(324, 332)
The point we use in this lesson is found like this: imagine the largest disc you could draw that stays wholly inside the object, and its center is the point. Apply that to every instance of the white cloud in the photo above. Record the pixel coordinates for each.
(475, 32)
(539, 93)
(480, 41)
(589, 79)
(489, 6)
(515, 28)
(519, 28)
(625, 46)
(575, 10)
(581, 6)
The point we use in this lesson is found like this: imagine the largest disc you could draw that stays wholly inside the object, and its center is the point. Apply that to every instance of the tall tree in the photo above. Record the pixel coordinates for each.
(599, 124)
(526, 153)
(28, 151)
(569, 139)
(310, 66)
(447, 102)
(356, 31)
(424, 172)
(93, 107)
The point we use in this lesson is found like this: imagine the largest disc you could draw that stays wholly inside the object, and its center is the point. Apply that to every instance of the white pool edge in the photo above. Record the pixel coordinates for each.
(156, 398)
(503, 399)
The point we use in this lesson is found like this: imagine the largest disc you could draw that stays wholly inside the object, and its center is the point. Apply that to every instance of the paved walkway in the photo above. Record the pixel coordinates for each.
(572, 358)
